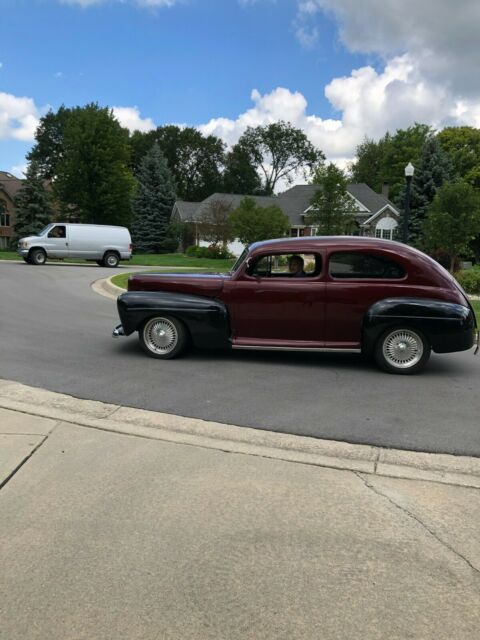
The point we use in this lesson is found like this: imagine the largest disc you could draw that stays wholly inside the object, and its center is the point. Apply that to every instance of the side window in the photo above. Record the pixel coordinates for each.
(58, 231)
(349, 264)
(287, 265)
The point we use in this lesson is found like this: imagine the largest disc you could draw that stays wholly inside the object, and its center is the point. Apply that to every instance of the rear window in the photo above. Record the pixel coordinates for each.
(351, 265)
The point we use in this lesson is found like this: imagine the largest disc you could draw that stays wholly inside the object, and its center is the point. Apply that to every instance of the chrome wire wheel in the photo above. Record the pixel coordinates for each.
(403, 348)
(160, 336)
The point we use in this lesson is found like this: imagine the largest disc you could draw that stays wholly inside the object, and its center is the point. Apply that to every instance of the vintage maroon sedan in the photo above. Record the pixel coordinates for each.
(346, 294)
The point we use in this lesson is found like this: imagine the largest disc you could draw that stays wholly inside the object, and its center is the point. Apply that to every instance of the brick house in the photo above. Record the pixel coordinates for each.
(9, 186)
(375, 215)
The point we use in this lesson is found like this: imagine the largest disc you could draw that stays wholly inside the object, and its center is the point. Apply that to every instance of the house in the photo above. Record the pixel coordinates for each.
(9, 186)
(375, 215)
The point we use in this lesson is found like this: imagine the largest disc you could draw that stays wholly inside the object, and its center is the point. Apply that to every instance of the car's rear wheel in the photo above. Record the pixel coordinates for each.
(402, 350)
(37, 256)
(111, 259)
(163, 337)
(100, 263)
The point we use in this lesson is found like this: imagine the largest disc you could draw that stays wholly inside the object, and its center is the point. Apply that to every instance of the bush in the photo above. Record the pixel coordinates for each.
(213, 251)
(470, 280)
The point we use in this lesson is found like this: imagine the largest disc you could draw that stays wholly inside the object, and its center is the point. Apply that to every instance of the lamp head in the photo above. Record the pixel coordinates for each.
(409, 170)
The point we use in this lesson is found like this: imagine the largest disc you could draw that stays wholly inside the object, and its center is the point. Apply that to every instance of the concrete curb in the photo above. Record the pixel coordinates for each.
(447, 469)
(106, 288)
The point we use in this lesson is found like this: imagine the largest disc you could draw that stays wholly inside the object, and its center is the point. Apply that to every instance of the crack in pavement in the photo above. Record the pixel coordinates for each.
(420, 522)
(24, 461)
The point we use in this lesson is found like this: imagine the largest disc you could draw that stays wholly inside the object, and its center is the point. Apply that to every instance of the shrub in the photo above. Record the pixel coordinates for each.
(470, 280)
(213, 251)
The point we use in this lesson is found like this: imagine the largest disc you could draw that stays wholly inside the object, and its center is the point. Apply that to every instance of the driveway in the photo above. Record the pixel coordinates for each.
(55, 333)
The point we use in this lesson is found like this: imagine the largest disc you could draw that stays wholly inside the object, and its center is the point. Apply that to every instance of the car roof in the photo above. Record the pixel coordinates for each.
(295, 244)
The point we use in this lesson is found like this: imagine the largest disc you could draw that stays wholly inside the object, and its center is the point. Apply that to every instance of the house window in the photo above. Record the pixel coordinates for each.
(4, 219)
(294, 233)
(386, 228)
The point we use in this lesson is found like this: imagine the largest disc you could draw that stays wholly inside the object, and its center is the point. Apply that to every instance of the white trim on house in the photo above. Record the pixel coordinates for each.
(375, 215)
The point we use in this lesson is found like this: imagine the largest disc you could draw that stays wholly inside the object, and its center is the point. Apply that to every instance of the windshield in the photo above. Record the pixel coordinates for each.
(239, 260)
(45, 229)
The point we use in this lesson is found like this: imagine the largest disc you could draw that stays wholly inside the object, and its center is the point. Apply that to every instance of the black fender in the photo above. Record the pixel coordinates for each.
(205, 318)
(447, 326)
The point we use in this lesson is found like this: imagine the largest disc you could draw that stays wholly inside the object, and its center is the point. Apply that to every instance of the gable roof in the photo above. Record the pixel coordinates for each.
(9, 184)
(293, 202)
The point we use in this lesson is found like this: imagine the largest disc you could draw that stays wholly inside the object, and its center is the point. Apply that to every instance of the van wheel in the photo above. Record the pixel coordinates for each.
(100, 263)
(111, 259)
(402, 350)
(37, 256)
(27, 260)
(163, 337)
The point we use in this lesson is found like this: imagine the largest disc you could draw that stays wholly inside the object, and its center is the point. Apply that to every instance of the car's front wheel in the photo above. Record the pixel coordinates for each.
(402, 350)
(37, 256)
(163, 337)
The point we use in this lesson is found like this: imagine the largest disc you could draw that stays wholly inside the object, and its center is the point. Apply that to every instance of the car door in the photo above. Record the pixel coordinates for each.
(56, 243)
(277, 309)
(355, 280)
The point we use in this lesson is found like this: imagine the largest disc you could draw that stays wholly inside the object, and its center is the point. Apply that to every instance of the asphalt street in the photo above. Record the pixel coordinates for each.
(55, 333)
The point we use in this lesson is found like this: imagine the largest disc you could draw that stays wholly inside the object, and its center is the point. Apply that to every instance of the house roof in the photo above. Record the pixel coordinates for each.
(293, 202)
(9, 184)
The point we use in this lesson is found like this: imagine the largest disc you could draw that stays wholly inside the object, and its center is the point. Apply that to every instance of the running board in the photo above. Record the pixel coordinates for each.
(314, 349)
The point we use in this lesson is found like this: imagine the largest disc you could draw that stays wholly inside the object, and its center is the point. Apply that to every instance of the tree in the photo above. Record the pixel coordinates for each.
(93, 180)
(370, 162)
(434, 169)
(279, 150)
(48, 151)
(252, 223)
(404, 147)
(385, 160)
(332, 207)
(195, 160)
(240, 174)
(453, 220)
(33, 204)
(153, 203)
(214, 224)
(463, 146)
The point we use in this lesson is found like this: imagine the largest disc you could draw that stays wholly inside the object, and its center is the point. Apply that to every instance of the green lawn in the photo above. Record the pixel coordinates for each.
(156, 260)
(476, 307)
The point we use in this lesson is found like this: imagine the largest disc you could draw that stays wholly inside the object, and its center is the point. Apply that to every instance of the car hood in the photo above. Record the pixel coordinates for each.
(29, 239)
(210, 284)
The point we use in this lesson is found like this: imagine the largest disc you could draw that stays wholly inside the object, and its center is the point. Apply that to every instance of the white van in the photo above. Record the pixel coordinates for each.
(104, 244)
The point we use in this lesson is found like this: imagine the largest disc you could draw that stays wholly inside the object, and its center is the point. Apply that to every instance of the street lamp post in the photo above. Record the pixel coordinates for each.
(409, 171)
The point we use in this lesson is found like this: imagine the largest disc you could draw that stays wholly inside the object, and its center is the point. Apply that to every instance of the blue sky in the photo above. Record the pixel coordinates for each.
(318, 63)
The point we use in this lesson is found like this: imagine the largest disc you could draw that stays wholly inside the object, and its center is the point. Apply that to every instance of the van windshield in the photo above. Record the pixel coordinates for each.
(45, 229)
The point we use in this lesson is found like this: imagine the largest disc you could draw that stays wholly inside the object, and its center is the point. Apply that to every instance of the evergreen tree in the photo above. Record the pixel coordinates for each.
(152, 204)
(33, 204)
(435, 168)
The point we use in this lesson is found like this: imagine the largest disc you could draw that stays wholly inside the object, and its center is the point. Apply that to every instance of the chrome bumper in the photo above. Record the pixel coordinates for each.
(118, 331)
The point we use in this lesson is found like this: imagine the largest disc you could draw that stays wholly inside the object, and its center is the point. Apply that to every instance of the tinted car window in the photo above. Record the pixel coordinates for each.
(349, 264)
(307, 265)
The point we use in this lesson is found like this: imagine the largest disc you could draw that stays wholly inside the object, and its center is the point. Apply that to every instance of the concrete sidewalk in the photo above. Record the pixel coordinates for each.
(108, 534)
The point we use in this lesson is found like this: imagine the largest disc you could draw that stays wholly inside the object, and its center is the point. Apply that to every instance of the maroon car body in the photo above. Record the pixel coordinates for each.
(354, 291)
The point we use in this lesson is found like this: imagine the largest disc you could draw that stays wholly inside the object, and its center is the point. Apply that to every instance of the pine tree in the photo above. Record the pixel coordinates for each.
(153, 203)
(33, 204)
(434, 169)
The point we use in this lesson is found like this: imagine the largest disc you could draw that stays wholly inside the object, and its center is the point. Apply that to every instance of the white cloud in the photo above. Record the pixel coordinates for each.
(129, 117)
(439, 35)
(19, 170)
(18, 117)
